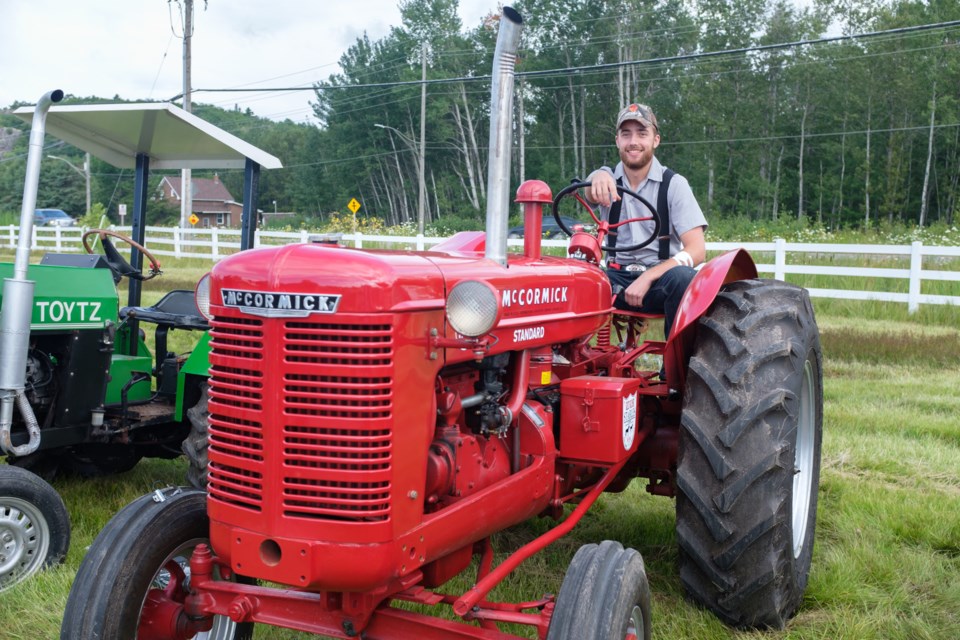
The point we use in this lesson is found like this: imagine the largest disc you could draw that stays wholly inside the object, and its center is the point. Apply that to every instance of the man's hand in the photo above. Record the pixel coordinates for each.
(603, 188)
(633, 295)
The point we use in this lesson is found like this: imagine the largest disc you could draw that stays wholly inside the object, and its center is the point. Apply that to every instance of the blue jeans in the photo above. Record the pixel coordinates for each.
(663, 297)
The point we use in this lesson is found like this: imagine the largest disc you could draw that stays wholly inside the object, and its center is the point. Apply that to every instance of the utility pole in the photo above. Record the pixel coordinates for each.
(186, 197)
(86, 174)
(423, 129)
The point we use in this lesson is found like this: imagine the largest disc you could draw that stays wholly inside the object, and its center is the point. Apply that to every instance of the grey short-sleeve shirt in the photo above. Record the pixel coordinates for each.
(685, 214)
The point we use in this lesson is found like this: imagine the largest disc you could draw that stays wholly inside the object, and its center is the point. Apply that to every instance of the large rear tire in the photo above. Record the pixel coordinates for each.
(748, 467)
(605, 595)
(139, 563)
(34, 526)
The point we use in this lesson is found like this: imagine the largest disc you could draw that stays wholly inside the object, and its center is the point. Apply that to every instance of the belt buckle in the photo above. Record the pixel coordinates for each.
(636, 266)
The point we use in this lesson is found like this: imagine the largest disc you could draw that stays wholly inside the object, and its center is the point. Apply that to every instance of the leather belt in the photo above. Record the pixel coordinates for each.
(636, 267)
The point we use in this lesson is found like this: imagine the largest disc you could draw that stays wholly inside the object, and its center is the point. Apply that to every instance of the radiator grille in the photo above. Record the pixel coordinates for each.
(309, 403)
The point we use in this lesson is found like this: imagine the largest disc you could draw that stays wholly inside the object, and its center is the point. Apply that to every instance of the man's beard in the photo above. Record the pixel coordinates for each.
(646, 156)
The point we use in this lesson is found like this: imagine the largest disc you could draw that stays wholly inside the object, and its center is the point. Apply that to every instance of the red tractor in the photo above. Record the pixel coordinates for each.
(376, 416)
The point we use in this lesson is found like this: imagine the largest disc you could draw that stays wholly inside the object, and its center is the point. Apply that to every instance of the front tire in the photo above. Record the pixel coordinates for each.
(139, 561)
(34, 526)
(605, 595)
(749, 454)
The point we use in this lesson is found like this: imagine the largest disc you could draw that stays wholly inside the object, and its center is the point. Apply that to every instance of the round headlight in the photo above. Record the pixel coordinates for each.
(473, 308)
(202, 296)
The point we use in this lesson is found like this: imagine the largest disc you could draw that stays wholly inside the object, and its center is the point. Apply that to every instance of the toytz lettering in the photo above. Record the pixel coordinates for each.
(60, 311)
(534, 296)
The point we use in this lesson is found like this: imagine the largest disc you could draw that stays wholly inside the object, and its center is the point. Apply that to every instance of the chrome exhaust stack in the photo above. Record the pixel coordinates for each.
(501, 135)
(18, 298)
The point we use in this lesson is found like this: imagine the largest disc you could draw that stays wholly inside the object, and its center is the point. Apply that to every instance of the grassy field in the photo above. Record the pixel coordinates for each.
(887, 557)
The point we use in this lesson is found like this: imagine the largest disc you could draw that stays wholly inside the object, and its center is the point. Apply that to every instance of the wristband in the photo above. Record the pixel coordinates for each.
(683, 259)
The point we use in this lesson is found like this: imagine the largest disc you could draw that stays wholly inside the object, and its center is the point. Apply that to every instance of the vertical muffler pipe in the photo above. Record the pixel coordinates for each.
(501, 135)
(18, 298)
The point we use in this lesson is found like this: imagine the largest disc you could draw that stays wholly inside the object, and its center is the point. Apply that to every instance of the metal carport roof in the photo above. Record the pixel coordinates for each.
(171, 137)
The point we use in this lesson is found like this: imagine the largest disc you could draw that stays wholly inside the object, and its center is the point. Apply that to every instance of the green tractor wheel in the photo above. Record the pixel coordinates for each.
(34, 526)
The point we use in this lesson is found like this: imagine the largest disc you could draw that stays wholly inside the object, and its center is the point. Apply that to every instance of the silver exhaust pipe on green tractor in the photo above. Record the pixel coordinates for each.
(18, 298)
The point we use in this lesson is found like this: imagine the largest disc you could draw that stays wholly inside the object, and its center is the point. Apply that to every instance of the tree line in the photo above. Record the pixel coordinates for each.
(842, 131)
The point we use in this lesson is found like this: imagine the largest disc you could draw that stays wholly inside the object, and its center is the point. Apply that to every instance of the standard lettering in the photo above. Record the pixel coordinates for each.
(533, 333)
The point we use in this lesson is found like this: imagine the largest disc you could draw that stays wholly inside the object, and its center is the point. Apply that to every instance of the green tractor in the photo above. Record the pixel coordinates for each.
(80, 392)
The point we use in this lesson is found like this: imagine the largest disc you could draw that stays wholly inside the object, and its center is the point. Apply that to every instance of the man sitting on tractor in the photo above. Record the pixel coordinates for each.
(651, 279)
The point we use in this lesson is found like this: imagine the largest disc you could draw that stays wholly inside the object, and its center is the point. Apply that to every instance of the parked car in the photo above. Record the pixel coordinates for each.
(52, 218)
(550, 228)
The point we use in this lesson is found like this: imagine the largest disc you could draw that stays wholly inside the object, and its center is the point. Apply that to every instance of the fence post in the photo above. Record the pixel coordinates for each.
(304, 236)
(256, 238)
(419, 242)
(358, 240)
(176, 242)
(13, 236)
(780, 259)
(916, 264)
(215, 243)
(33, 238)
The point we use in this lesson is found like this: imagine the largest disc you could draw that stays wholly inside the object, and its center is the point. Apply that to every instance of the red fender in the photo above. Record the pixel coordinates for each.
(728, 267)
(463, 242)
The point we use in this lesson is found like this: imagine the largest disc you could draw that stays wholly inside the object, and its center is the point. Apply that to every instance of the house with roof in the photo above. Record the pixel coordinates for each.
(213, 203)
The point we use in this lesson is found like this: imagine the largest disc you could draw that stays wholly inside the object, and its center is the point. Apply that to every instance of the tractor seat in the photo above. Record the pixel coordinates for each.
(177, 309)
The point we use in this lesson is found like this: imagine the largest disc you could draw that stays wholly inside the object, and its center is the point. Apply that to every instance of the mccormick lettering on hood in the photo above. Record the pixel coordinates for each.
(534, 296)
(273, 305)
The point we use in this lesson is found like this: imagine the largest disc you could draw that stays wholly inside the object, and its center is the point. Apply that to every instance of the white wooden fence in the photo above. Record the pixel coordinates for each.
(915, 262)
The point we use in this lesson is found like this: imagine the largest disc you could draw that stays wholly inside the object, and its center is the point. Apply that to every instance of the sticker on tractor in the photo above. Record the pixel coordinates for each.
(279, 305)
(68, 313)
(629, 420)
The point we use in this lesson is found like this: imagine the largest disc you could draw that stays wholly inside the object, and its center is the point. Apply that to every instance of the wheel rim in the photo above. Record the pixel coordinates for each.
(635, 628)
(169, 580)
(24, 540)
(804, 460)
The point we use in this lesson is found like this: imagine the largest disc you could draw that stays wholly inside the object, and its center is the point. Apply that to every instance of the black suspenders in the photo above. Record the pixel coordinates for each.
(663, 210)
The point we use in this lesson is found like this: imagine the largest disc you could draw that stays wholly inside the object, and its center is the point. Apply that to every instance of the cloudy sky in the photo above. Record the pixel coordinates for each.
(127, 48)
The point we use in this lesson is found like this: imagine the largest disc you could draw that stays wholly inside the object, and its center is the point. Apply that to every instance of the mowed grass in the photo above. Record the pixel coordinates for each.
(887, 557)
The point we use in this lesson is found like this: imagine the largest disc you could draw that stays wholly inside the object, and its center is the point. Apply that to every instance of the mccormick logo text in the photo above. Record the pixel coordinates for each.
(279, 305)
(534, 296)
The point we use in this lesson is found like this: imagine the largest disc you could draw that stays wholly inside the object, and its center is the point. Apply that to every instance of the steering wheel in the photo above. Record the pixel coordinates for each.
(117, 262)
(603, 227)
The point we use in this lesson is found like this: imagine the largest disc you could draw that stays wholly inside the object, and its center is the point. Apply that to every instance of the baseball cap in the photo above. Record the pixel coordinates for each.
(639, 112)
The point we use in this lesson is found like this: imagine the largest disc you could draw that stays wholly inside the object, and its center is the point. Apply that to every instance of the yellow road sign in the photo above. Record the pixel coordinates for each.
(194, 219)
(353, 205)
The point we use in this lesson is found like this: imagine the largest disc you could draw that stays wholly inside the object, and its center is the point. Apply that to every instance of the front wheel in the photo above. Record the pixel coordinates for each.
(34, 525)
(133, 580)
(748, 467)
(604, 596)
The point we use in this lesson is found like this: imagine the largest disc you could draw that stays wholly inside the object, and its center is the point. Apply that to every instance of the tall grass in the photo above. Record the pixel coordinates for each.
(887, 557)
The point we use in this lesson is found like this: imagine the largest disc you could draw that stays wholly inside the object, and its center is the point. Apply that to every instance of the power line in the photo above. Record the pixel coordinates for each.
(610, 65)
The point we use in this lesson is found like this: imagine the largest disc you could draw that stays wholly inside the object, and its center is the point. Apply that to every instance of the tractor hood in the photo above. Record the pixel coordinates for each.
(273, 281)
(320, 278)
(543, 300)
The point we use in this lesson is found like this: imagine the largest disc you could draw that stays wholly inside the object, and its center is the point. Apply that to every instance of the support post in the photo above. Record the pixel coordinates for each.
(248, 220)
(916, 266)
